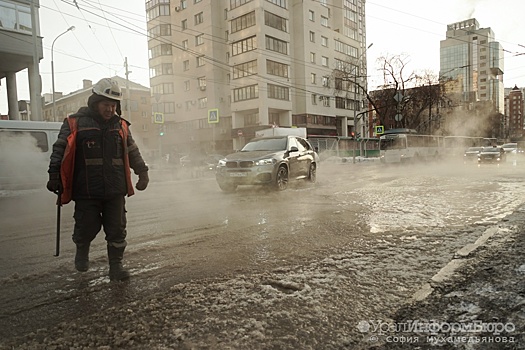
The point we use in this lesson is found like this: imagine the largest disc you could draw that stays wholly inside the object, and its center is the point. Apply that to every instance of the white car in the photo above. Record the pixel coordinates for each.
(510, 147)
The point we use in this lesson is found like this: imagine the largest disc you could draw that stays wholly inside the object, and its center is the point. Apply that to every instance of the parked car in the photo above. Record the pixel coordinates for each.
(471, 154)
(268, 161)
(492, 154)
(510, 147)
(208, 161)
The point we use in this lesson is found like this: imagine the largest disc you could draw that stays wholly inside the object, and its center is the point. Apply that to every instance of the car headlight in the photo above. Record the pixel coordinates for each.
(221, 162)
(268, 161)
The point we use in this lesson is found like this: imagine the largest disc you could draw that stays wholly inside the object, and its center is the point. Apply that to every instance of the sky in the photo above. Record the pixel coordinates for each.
(107, 32)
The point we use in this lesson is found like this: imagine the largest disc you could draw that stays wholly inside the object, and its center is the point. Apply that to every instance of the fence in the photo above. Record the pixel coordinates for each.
(331, 146)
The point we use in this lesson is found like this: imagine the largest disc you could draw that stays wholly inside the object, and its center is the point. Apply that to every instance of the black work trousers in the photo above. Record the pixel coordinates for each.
(93, 214)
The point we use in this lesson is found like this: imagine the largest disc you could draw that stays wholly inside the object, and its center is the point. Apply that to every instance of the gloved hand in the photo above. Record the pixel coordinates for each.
(143, 182)
(54, 184)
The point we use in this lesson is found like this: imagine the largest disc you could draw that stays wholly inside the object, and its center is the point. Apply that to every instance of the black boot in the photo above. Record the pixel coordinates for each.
(116, 271)
(82, 257)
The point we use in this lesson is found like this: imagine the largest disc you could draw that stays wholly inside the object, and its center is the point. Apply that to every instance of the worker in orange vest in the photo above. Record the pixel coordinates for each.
(91, 164)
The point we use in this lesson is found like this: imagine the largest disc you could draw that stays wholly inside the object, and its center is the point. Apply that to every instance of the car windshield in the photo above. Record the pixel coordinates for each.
(491, 150)
(273, 144)
(510, 145)
(474, 149)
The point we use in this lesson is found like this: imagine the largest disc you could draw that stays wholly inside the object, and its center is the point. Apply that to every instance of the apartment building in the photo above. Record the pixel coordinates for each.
(222, 69)
(21, 49)
(472, 58)
(514, 105)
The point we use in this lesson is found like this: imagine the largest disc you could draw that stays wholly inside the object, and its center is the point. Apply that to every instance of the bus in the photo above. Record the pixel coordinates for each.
(406, 145)
(25, 148)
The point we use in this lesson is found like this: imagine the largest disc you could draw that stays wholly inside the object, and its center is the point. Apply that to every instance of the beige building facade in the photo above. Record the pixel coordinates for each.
(254, 64)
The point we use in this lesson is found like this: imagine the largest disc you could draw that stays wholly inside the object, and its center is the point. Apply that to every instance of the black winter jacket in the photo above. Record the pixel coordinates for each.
(99, 158)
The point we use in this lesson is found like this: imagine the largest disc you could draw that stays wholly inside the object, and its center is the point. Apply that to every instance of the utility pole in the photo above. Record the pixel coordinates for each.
(128, 98)
(35, 85)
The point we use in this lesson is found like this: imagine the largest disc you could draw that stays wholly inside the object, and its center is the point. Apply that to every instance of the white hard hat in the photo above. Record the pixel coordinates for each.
(109, 88)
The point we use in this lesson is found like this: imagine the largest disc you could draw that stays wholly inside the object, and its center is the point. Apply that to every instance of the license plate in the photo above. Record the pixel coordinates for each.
(238, 174)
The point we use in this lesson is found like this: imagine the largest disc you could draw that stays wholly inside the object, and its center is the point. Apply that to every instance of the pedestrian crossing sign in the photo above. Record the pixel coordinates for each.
(213, 115)
(380, 129)
(158, 118)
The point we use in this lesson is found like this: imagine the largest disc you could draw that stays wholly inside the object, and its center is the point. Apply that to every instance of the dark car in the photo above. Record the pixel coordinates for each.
(492, 154)
(471, 154)
(268, 161)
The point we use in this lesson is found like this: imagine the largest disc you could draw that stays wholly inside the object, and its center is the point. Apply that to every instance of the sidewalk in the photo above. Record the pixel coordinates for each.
(476, 302)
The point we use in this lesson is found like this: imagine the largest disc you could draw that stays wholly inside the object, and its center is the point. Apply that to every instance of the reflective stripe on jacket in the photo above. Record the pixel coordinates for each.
(67, 168)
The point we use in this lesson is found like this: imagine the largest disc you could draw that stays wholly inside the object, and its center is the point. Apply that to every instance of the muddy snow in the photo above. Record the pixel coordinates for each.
(307, 268)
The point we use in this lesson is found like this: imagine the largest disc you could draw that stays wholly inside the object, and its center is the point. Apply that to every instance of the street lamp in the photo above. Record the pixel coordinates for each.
(53, 71)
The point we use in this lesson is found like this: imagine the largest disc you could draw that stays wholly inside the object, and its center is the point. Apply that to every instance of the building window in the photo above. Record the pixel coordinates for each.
(246, 93)
(199, 39)
(312, 37)
(313, 78)
(314, 99)
(275, 21)
(276, 45)
(167, 68)
(199, 18)
(245, 69)
(346, 49)
(166, 88)
(169, 107)
(15, 16)
(280, 3)
(311, 15)
(200, 61)
(160, 50)
(243, 22)
(278, 92)
(183, 4)
(202, 83)
(160, 30)
(184, 24)
(187, 85)
(244, 45)
(163, 69)
(154, 9)
(186, 65)
(325, 100)
(324, 41)
(326, 81)
(203, 102)
(277, 68)
(312, 57)
(324, 61)
(196, 1)
(251, 119)
(324, 21)
(237, 3)
(185, 44)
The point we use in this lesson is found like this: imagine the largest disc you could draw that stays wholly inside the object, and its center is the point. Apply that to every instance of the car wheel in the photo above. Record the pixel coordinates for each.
(281, 180)
(227, 187)
(312, 173)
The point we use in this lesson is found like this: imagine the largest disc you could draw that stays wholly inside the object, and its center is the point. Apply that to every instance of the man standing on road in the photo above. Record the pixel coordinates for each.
(90, 165)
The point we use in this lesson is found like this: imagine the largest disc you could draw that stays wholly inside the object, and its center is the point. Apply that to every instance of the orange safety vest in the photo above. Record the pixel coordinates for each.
(67, 167)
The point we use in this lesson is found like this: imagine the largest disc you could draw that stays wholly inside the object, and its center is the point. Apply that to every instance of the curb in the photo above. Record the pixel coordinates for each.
(448, 271)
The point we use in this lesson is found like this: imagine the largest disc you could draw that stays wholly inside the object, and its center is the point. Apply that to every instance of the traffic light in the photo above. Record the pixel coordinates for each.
(352, 134)
(161, 130)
